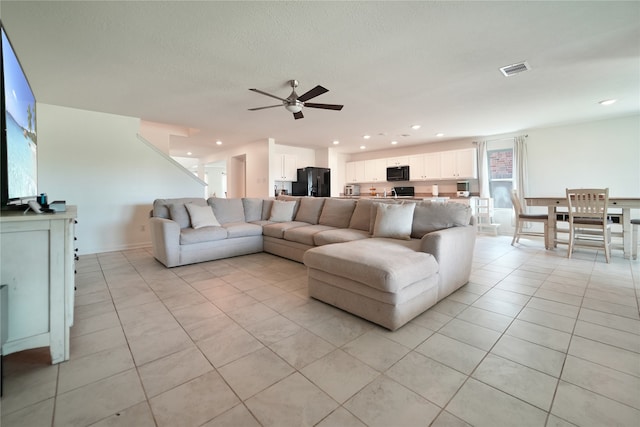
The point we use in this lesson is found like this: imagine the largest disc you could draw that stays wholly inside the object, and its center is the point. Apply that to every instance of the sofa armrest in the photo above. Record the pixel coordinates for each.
(453, 249)
(165, 240)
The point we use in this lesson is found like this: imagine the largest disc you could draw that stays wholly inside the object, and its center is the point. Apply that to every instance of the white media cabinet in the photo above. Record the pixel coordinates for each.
(38, 266)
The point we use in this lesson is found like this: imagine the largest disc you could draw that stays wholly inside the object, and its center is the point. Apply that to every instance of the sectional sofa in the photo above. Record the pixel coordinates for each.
(385, 260)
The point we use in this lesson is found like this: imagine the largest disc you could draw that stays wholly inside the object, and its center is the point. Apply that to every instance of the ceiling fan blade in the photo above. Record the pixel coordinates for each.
(268, 94)
(298, 115)
(262, 108)
(316, 91)
(324, 106)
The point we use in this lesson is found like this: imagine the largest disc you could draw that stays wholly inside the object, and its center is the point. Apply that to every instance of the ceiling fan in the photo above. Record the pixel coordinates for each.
(294, 103)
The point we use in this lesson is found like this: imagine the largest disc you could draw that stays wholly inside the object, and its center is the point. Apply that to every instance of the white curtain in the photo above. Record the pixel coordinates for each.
(483, 170)
(520, 174)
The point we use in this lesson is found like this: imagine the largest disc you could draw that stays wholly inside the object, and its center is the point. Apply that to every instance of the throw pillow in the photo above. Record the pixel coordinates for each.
(282, 211)
(394, 221)
(179, 214)
(201, 216)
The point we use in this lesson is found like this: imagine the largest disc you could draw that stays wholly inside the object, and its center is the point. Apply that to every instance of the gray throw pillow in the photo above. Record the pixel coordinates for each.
(394, 221)
(201, 216)
(282, 211)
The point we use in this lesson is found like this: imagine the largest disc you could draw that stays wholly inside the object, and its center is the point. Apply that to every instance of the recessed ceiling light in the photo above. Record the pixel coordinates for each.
(362, 147)
(336, 142)
(218, 142)
(367, 136)
(607, 102)
(189, 153)
(415, 127)
(394, 142)
(439, 134)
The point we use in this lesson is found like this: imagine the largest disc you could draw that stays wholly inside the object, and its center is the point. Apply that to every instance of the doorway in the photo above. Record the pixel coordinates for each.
(236, 177)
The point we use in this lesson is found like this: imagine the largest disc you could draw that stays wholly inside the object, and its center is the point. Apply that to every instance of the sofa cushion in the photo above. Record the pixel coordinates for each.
(190, 235)
(266, 209)
(227, 210)
(379, 263)
(309, 209)
(338, 235)
(337, 212)
(394, 221)
(201, 216)
(429, 217)
(178, 213)
(252, 209)
(242, 229)
(282, 211)
(161, 206)
(361, 217)
(277, 229)
(304, 235)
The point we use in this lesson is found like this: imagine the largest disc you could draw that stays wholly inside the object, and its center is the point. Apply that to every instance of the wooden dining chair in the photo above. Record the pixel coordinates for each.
(522, 218)
(588, 222)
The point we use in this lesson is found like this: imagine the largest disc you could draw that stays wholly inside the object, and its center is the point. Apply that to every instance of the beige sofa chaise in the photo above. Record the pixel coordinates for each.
(384, 260)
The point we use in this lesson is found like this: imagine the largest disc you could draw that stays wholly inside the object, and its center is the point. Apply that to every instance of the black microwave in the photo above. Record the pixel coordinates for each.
(398, 173)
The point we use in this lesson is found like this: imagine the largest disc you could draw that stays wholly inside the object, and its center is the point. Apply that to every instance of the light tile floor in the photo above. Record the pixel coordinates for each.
(534, 339)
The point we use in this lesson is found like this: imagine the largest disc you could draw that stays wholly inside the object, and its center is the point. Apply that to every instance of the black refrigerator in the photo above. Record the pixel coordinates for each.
(312, 181)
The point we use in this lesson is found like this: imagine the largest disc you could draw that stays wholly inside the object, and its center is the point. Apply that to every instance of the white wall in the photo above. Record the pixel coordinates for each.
(596, 154)
(95, 161)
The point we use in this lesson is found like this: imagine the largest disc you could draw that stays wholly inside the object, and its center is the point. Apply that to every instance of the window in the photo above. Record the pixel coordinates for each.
(501, 176)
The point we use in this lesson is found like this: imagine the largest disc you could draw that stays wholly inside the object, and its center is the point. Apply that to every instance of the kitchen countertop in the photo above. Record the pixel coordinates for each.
(417, 196)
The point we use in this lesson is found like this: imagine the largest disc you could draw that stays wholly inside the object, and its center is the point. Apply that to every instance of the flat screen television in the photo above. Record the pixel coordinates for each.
(19, 177)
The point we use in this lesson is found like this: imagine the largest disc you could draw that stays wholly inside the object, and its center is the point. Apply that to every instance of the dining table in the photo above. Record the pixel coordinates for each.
(624, 204)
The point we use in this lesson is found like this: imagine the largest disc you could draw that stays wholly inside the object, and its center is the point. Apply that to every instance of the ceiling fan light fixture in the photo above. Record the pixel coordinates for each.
(294, 108)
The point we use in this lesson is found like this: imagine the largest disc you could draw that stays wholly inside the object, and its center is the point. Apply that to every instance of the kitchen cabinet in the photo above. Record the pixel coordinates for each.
(375, 170)
(457, 164)
(398, 161)
(355, 171)
(424, 167)
(286, 168)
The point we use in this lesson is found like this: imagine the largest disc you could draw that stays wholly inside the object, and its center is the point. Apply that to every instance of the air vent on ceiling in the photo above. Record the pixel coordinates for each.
(513, 69)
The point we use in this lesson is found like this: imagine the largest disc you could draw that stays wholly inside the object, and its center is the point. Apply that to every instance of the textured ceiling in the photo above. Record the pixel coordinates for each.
(392, 64)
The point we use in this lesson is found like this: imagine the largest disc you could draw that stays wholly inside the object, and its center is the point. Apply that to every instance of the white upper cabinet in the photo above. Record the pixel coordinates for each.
(375, 170)
(416, 168)
(285, 166)
(355, 171)
(432, 167)
(423, 167)
(457, 164)
(443, 165)
(398, 161)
